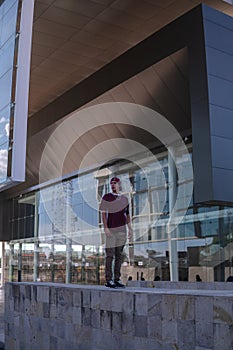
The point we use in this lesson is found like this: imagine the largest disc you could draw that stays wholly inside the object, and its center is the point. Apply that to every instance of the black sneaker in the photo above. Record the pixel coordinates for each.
(119, 284)
(110, 284)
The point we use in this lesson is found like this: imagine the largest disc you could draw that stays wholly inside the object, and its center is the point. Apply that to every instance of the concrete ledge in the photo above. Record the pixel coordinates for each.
(56, 316)
(182, 285)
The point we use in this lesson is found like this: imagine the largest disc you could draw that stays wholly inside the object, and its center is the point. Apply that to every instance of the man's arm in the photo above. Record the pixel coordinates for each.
(130, 230)
(104, 220)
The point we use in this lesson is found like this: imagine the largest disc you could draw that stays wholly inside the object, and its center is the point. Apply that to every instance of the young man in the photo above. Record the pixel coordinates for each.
(115, 217)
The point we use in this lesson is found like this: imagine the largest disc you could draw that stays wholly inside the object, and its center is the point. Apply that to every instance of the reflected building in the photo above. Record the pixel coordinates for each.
(146, 99)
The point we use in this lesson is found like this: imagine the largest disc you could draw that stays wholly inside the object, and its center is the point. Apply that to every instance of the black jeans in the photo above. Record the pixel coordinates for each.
(114, 247)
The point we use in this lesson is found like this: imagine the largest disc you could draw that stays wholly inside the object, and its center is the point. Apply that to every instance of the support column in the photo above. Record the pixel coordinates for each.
(172, 191)
(68, 190)
(68, 259)
(11, 267)
(83, 262)
(36, 243)
(3, 265)
(20, 263)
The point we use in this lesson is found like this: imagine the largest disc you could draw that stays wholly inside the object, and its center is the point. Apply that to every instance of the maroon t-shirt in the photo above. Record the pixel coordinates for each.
(117, 209)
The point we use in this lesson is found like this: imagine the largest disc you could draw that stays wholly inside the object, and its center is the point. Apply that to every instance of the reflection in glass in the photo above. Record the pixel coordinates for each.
(8, 22)
(204, 238)
(5, 88)
(7, 55)
(6, 5)
(3, 162)
(4, 124)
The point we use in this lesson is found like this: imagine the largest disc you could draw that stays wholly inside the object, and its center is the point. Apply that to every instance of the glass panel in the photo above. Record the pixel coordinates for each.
(3, 162)
(4, 124)
(203, 241)
(7, 55)
(8, 22)
(27, 262)
(5, 88)
(6, 5)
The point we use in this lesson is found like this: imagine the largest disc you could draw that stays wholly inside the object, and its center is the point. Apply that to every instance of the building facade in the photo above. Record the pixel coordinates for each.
(141, 92)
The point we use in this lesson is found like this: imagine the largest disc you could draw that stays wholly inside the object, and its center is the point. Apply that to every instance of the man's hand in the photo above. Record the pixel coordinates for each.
(107, 231)
(130, 233)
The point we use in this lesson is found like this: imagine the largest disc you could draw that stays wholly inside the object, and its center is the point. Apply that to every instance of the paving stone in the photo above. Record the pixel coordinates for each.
(204, 309)
(223, 336)
(154, 324)
(186, 307)
(204, 334)
(128, 303)
(186, 334)
(128, 324)
(116, 302)
(222, 310)
(117, 321)
(86, 316)
(43, 294)
(141, 304)
(95, 299)
(154, 304)
(77, 297)
(86, 298)
(77, 315)
(95, 318)
(169, 307)
(169, 331)
(106, 319)
(106, 300)
(140, 326)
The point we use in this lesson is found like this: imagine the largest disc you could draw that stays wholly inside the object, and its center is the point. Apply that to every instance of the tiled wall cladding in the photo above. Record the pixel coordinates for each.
(50, 316)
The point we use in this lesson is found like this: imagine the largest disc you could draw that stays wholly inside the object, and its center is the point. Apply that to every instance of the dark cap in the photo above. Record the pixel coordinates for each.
(115, 179)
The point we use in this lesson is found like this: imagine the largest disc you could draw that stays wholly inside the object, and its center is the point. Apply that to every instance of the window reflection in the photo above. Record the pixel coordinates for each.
(73, 242)
(7, 55)
(3, 161)
(4, 124)
(5, 88)
(8, 20)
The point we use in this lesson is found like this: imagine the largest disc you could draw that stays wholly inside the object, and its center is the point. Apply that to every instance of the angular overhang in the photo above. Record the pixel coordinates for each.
(58, 87)
(74, 39)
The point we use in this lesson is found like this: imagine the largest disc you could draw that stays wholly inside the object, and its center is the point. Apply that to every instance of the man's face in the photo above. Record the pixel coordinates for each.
(115, 186)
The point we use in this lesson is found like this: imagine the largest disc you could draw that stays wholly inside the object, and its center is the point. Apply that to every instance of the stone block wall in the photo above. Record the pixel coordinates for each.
(57, 317)
(182, 285)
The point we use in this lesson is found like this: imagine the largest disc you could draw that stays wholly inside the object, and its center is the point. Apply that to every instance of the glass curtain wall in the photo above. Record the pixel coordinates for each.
(59, 237)
(8, 53)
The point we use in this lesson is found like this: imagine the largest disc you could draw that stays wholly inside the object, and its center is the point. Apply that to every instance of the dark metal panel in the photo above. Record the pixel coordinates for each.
(221, 91)
(221, 122)
(215, 59)
(222, 184)
(218, 34)
(222, 148)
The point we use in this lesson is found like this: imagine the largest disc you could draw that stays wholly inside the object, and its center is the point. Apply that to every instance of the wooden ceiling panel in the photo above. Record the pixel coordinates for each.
(48, 40)
(92, 39)
(162, 3)
(82, 49)
(85, 7)
(45, 2)
(107, 30)
(138, 8)
(39, 10)
(123, 19)
(74, 38)
(41, 50)
(65, 17)
(69, 57)
(55, 29)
